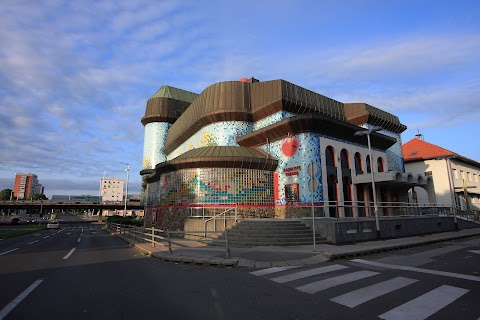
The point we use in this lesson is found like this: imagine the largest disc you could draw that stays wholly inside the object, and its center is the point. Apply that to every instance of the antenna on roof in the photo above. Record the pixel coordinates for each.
(419, 135)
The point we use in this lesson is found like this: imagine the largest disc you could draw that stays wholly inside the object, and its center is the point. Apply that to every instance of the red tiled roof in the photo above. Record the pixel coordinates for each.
(417, 149)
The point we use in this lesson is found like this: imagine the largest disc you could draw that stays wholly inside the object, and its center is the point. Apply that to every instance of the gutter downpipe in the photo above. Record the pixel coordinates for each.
(452, 191)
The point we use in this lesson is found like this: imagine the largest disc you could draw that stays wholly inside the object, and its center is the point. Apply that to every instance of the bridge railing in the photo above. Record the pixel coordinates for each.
(164, 237)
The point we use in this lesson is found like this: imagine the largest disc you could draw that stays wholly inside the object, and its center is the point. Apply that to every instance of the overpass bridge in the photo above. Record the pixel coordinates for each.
(46, 205)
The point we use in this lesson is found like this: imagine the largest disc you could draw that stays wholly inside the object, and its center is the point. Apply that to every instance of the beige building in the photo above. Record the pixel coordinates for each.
(455, 178)
(111, 189)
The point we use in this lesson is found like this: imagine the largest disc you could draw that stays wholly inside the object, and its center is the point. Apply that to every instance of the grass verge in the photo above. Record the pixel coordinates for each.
(19, 230)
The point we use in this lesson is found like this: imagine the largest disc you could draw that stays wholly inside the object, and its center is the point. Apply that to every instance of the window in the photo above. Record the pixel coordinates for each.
(358, 163)
(369, 170)
(462, 174)
(455, 173)
(344, 159)
(469, 176)
(380, 167)
(475, 177)
(330, 156)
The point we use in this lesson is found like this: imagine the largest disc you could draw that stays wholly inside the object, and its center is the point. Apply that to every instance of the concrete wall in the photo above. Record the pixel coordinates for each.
(363, 230)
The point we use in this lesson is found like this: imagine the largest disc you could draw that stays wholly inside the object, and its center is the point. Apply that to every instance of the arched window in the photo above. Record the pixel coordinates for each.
(344, 159)
(369, 170)
(332, 195)
(330, 156)
(380, 167)
(358, 163)
(347, 196)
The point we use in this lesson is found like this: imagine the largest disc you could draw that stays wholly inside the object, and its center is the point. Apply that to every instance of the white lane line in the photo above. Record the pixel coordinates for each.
(9, 307)
(46, 237)
(79, 239)
(435, 272)
(69, 254)
(81, 234)
(33, 242)
(272, 270)
(308, 273)
(475, 251)
(335, 281)
(357, 297)
(425, 305)
(69, 233)
(1, 254)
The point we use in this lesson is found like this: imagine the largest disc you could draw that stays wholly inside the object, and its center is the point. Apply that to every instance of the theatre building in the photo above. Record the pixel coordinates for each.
(272, 150)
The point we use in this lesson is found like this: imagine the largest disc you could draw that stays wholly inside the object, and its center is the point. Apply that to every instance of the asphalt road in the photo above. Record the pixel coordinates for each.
(82, 272)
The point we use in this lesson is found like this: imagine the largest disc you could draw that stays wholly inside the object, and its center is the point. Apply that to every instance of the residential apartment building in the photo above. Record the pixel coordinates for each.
(111, 189)
(26, 185)
(455, 177)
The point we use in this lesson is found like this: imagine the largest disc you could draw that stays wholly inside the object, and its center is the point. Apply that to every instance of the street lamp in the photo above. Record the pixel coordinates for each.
(126, 189)
(375, 206)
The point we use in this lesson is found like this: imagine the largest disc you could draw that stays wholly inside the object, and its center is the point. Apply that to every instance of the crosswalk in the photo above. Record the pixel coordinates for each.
(315, 280)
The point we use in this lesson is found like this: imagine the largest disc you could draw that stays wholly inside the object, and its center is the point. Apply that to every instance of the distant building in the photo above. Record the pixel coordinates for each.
(83, 198)
(26, 185)
(455, 177)
(111, 189)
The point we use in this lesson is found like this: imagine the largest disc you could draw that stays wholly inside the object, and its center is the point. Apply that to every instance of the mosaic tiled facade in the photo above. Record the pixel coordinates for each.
(276, 123)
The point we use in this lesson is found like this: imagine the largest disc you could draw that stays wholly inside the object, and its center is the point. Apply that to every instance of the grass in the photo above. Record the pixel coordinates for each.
(19, 230)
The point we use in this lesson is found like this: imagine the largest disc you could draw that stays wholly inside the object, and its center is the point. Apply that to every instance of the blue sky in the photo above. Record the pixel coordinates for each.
(75, 75)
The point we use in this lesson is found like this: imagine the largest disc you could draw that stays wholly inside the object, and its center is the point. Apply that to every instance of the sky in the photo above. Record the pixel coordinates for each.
(75, 76)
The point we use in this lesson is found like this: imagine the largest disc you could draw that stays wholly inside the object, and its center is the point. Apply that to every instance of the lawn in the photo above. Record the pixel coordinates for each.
(19, 230)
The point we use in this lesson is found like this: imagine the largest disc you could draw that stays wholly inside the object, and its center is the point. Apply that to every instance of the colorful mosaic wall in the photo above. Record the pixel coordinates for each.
(294, 155)
(215, 134)
(265, 122)
(154, 142)
(213, 185)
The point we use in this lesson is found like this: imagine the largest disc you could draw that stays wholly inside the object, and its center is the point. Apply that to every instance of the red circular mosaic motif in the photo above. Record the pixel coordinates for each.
(290, 147)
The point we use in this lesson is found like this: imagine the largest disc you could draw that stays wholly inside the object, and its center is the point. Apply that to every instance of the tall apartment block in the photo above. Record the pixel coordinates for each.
(111, 189)
(26, 185)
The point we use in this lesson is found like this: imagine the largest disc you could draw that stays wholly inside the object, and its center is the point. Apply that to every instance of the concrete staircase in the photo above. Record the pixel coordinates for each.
(252, 233)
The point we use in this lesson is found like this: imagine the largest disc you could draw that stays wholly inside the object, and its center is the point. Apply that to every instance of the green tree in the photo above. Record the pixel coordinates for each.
(5, 194)
(39, 197)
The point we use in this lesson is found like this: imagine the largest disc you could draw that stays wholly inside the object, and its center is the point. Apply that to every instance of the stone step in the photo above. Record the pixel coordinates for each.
(266, 242)
(240, 235)
(271, 229)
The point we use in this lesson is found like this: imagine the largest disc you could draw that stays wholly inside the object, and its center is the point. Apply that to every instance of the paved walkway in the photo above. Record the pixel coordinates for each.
(186, 251)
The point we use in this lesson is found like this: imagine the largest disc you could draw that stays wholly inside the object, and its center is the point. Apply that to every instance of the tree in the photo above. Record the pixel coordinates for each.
(5, 194)
(39, 196)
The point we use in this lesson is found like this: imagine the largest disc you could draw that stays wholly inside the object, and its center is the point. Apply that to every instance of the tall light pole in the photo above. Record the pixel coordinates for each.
(375, 206)
(126, 189)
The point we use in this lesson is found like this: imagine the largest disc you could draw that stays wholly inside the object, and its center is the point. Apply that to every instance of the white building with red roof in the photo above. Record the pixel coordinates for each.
(455, 177)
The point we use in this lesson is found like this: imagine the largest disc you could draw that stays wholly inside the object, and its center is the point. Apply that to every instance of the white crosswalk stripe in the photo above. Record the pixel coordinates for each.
(420, 307)
(357, 297)
(335, 281)
(272, 270)
(425, 305)
(308, 273)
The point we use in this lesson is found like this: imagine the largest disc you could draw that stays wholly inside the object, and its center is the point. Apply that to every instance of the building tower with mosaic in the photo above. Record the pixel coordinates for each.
(271, 149)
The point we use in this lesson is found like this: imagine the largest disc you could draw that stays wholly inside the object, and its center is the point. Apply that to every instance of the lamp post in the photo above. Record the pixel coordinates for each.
(375, 206)
(126, 189)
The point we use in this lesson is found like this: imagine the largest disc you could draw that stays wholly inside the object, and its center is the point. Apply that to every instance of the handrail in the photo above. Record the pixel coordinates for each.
(142, 234)
(215, 223)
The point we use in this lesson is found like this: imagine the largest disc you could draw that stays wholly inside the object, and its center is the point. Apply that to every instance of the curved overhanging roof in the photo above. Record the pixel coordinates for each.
(253, 101)
(315, 123)
(362, 113)
(216, 157)
(167, 104)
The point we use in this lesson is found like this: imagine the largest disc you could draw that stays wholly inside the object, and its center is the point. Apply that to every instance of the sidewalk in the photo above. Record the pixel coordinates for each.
(264, 257)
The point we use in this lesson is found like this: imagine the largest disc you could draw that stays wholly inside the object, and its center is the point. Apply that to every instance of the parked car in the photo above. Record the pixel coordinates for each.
(31, 220)
(15, 221)
(53, 224)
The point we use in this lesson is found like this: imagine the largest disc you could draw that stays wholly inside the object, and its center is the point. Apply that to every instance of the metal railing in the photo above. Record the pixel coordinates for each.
(214, 218)
(161, 237)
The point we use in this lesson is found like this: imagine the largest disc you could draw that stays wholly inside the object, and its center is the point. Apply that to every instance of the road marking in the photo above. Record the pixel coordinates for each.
(69, 254)
(308, 273)
(405, 268)
(425, 305)
(79, 239)
(357, 297)
(9, 307)
(272, 270)
(335, 281)
(1, 254)
(46, 237)
(69, 233)
(33, 242)
(475, 251)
